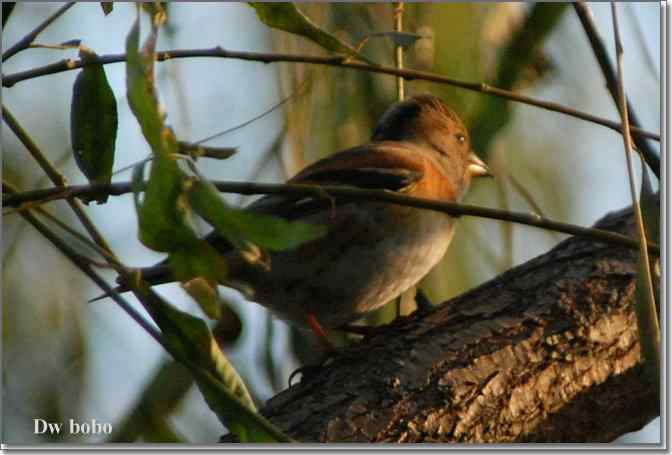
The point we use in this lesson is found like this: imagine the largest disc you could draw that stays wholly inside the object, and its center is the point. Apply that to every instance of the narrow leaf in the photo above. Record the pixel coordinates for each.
(286, 16)
(71, 43)
(648, 311)
(157, 10)
(650, 207)
(107, 7)
(141, 92)
(190, 337)
(93, 123)
(197, 273)
(197, 151)
(247, 425)
(7, 8)
(198, 260)
(162, 220)
(162, 215)
(239, 225)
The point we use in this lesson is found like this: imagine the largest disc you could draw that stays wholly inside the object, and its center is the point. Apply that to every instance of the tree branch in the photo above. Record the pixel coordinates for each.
(27, 40)
(602, 56)
(647, 315)
(545, 352)
(338, 61)
(344, 193)
(82, 263)
(54, 175)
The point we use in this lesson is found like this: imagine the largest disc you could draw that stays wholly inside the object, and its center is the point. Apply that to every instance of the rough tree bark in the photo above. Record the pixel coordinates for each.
(547, 351)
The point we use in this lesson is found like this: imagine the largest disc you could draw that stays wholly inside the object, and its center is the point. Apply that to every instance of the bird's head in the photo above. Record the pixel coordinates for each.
(425, 120)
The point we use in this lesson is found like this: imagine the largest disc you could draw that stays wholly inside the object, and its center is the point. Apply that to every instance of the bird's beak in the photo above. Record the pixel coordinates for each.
(477, 168)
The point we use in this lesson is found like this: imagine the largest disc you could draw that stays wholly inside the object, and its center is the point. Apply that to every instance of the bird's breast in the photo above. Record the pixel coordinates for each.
(372, 253)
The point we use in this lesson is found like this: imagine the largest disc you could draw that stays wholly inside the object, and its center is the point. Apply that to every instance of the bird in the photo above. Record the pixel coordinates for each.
(372, 251)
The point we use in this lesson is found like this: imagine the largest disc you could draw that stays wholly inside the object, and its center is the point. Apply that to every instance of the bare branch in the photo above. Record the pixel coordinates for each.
(337, 61)
(545, 352)
(82, 263)
(344, 193)
(27, 40)
(649, 329)
(399, 50)
(56, 177)
(585, 15)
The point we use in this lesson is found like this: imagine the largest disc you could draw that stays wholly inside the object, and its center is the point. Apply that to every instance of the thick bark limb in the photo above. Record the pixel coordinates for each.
(547, 351)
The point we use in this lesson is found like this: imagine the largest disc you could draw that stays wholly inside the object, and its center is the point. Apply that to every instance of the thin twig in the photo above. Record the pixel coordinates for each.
(337, 61)
(27, 40)
(524, 193)
(585, 15)
(399, 50)
(208, 151)
(298, 91)
(148, 298)
(649, 328)
(507, 228)
(81, 263)
(56, 177)
(41, 211)
(344, 193)
(274, 150)
(399, 64)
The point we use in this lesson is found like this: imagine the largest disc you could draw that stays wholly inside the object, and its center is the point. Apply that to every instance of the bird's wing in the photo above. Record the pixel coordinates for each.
(378, 165)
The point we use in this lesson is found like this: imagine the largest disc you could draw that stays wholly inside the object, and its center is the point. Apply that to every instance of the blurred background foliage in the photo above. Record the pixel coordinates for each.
(64, 358)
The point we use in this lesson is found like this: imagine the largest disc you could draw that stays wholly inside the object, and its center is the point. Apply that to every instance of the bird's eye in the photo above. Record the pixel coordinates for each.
(461, 138)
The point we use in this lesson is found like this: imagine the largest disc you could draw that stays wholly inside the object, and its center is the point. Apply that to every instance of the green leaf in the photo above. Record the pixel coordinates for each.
(198, 260)
(247, 425)
(190, 341)
(239, 225)
(141, 92)
(162, 215)
(7, 8)
(197, 150)
(72, 43)
(650, 207)
(191, 337)
(157, 10)
(647, 285)
(162, 220)
(274, 233)
(287, 17)
(200, 268)
(93, 123)
(107, 7)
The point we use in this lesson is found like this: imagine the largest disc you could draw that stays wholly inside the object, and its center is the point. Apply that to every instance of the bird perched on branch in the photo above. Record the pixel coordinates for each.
(373, 251)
